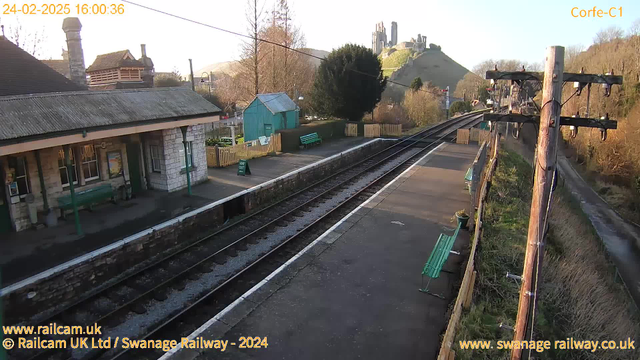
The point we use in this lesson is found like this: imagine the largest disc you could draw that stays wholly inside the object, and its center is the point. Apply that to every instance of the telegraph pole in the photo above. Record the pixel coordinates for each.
(545, 166)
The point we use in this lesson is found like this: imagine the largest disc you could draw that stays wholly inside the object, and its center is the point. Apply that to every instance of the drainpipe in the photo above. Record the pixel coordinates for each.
(42, 186)
(67, 160)
(186, 157)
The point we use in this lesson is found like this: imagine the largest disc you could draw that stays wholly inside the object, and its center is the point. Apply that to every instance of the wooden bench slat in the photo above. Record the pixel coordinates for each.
(440, 254)
(87, 197)
(310, 139)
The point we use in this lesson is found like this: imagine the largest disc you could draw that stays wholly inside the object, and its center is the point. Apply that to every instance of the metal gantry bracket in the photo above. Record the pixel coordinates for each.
(506, 327)
(607, 79)
(515, 277)
(564, 120)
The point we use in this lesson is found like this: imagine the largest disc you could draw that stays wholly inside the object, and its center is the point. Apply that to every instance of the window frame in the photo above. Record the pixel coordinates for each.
(189, 153)
(157, 158)
(83, 163)
(25, 168)
(64, 166)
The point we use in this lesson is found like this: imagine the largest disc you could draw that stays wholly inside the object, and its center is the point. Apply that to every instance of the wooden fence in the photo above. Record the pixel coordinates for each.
(225, 156)
(465, 294)
(351, 130)
(371, 130)
(377, 130)
(462, 136)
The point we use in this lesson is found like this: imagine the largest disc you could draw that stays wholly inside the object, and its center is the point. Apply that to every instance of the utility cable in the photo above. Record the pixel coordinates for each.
(256, 38)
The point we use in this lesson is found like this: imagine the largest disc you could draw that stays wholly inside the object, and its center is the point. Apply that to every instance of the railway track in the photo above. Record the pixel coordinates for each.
(170, 297)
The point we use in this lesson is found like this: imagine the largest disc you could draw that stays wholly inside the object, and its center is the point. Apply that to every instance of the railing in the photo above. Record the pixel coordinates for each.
(465, 294)
(225, 156)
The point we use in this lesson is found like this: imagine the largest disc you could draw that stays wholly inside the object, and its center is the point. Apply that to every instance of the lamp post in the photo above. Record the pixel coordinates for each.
(208, 76)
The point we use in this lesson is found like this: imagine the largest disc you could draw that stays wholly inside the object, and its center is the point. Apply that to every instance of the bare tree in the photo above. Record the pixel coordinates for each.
(29, 41)
(634, 30)
(502, 64)
(609, 34)
(571, 55)
(251, 54)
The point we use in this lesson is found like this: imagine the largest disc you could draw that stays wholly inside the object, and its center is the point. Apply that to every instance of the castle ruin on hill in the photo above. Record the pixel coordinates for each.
(379, 40)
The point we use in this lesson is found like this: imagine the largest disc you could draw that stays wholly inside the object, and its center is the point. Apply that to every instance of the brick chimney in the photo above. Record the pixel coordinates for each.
(148, 72)
(72, 27)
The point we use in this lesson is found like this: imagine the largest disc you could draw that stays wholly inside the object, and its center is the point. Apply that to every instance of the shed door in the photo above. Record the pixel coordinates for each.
(133, 159)
(268, 130)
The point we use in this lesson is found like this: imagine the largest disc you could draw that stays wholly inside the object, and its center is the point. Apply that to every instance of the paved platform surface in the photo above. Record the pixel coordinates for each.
(29, 252)
(354, 293)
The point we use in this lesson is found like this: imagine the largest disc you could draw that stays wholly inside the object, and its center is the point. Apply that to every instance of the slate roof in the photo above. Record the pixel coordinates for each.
(277, 102)
(113, 60)
(61, 66)
(57, 114)
(21, 73)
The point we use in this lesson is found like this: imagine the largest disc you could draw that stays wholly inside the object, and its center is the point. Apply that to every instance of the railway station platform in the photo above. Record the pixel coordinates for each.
(353, 293)
(33, 251)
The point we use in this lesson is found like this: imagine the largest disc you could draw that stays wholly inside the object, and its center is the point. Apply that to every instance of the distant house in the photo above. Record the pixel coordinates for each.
(141, 139)
(121, 70)
(268, 113)
(61, 66)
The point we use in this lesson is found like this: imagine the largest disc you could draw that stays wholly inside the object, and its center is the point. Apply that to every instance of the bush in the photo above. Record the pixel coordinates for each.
(423, 106)
(460, 107)
(389, 112)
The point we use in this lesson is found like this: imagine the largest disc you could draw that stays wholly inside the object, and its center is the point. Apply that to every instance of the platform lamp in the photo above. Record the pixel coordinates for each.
(208, 76)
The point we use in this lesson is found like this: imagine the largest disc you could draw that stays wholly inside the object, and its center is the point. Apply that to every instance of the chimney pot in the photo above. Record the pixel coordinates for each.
(143, 49)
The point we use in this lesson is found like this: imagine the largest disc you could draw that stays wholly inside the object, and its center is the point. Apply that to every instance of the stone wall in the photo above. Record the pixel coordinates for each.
(102, 268)
(174, 158)
(53, 183)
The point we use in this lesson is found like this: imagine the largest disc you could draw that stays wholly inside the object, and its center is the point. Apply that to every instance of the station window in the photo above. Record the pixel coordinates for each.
(64, 177)
(156, 158)
(89, 163)
(22, 176)
(189, 155)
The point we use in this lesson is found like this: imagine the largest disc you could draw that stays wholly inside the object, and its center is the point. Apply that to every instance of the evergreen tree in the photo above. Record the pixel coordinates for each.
(348, 83)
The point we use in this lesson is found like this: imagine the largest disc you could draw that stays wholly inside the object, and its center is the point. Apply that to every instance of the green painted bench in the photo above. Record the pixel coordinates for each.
(310, 139)
(87, 197)
(438, 257)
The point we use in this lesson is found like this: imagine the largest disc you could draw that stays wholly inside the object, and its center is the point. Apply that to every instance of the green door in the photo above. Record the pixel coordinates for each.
(268, 130)
(133, 160)
(5, 217)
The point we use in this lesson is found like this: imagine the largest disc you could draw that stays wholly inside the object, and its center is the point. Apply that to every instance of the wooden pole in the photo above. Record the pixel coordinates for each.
(544, 169)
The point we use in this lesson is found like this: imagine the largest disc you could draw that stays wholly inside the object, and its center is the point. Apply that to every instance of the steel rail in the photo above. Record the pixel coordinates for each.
(303, 230)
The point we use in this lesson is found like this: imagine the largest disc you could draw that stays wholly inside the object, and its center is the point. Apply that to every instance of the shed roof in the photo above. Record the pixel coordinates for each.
(277, 102)
(54, 114)
(21, 73)
(114, 60)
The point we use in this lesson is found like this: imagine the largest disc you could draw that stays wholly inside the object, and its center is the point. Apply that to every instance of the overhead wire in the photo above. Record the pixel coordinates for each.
(256, 38)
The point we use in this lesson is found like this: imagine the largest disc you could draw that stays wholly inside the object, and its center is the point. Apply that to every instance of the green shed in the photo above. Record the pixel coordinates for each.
(268, 113)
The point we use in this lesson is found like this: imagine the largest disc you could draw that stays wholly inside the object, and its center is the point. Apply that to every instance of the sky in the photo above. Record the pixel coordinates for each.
(469, 31)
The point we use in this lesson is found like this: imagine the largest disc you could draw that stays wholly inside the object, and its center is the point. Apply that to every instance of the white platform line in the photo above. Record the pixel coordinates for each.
(87, 257)
(256, 287)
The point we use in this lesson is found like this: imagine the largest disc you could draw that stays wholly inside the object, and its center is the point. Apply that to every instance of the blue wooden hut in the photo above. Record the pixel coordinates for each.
(268, 113)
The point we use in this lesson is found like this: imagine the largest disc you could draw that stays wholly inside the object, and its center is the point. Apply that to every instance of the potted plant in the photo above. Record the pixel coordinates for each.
(462, 217)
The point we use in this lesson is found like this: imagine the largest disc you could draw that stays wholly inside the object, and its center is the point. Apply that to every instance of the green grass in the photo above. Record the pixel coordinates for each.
(396, 60)
(578, 296)
(501, 251)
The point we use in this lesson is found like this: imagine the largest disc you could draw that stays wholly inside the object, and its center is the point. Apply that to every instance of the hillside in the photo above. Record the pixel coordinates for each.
(231, 67)
(432, 65)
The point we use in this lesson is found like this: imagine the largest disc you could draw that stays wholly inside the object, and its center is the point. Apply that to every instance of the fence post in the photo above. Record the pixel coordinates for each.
(469, 297)
(217, 152)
